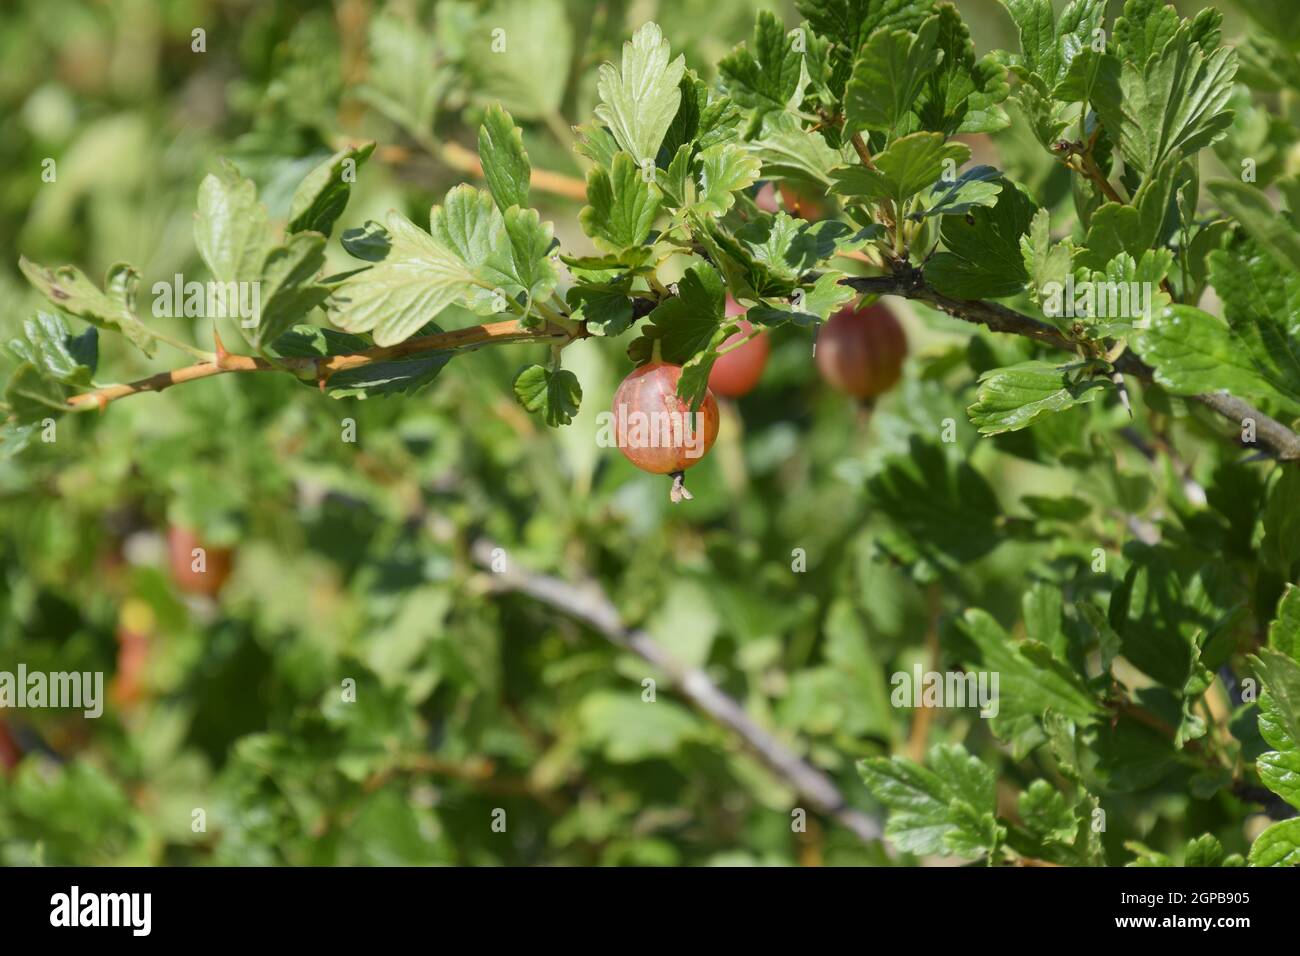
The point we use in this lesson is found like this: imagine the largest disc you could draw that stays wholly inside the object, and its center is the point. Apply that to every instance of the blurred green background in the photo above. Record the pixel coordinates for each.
(351, 560)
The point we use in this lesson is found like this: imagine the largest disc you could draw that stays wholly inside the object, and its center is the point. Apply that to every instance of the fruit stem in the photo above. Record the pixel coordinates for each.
(679, 492)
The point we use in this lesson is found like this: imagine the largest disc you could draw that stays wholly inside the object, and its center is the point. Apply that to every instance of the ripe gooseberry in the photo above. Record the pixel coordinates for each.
(801, 203)
(736, 372)
(860, 351)
(185, 564)
(655, 430)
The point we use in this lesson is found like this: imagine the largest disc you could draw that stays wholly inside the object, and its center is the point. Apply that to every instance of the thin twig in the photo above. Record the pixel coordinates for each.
(590, 606)
(321, 368)
(909, 283)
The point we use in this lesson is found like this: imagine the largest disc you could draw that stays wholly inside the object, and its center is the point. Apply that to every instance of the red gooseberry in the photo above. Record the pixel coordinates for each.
(196, 568)
(860, 351)
(737, 371)
(655, 430)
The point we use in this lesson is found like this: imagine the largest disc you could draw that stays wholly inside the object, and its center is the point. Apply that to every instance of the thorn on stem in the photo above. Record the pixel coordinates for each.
(1118, 379)
(222, 354)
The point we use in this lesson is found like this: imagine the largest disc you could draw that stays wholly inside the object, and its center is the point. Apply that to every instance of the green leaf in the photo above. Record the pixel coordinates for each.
(1279, 704)
(503, 256)
(948, 810)
(628, 729)
(525, 262)
(1280, 772)
(288, 288)
(1030, 682)
(1048, 47)
(1279, 845)
(887, 78)
(1048, 263)
(556, 393)
(1144, 29)
(1193, 352)
(944, 513)
(905, 168)
(32, 396)
(702, 121)
(370, 242)
(606, 308)
(787, 150)
(404, 81)
(1046, 813)
(1262, 305)
(688, 322)
(788, 247)
(231, 230)
(1015, 397)
(724, 170)
(639, 101)
(963, 94)
(392, 299)
(527, 75)
(983, 258)
(55, 352)
(977, 186)
(1171, 106)
(505, 164)
(622, 206)
(848, 24)
(322, 196)
(1274, 231)
(1284, 632)
(69, 289)
(405, 375)
(764, 74)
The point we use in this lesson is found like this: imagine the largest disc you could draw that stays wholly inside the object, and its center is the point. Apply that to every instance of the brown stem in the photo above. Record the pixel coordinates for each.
(908, 282)
(322, 368)
(464, 161)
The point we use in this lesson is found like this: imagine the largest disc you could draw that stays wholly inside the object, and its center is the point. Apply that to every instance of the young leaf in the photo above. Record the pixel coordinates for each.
(1171, 106)
(948, 810)
(639, 101)
(621, 205)
(555, 393)
(983, 258)
(322, 196)
(1193, 352)
(1279, 845)
(114, 308)
(419, 279)
(1048, 47)
(963, 94)
(1015, 397)
(505, 164)
(288, 289)
(887, 78)
(55, 352)
(905, 168)
(404, 375)
(764, 75)
(231, 230)
(724, 170)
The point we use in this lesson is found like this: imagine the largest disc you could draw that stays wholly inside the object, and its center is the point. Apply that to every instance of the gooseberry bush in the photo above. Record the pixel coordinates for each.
(1051, 294)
